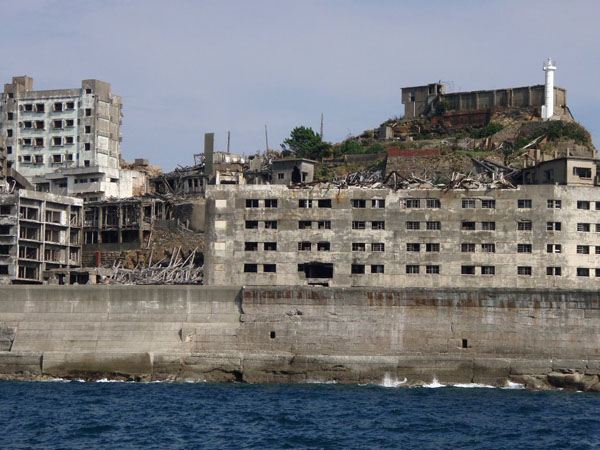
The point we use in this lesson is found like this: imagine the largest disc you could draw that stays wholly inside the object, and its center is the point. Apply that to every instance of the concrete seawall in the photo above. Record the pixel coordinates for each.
(289, 334)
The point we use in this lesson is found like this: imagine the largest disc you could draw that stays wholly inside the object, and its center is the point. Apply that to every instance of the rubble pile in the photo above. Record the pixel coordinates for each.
(173, 270)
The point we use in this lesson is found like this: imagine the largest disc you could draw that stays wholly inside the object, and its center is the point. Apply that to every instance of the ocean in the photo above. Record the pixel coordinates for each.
(114, 415)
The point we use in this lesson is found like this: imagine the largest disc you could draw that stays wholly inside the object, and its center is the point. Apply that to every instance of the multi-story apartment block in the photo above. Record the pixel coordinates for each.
(38, 232)
(73, 132)
(534, 236)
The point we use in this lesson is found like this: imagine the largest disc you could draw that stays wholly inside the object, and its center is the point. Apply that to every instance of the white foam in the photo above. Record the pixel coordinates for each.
(473, 385)
(512, 385)
(106, 380)
(434, 384)
(321, 382)
(390, 382)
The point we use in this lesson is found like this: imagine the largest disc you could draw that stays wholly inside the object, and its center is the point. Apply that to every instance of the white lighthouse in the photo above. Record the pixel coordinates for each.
(548, 108)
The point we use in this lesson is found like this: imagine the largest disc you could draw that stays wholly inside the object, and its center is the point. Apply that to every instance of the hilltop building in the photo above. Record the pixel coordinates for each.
(539, 235)
(432, 98)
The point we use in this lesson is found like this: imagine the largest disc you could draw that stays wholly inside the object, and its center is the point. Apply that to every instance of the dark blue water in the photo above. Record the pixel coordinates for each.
(201, 415)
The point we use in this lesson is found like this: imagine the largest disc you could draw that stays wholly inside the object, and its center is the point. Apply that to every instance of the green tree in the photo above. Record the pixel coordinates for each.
(305, 143)
(349, 147)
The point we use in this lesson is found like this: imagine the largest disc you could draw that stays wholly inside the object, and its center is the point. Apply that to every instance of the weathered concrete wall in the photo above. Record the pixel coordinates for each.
(299, 334)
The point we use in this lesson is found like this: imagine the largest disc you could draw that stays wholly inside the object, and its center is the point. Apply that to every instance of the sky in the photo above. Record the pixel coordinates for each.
(185, 68)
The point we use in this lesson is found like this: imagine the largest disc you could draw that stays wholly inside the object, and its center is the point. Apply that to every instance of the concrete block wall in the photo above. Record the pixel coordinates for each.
(298, 334)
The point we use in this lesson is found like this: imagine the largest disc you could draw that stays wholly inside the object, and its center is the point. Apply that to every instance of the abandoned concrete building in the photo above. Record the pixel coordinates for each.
(540, 235)
(292, 170)
(422, 100)
(39, 233)
(66, 141)
(432, 99)
(121, 224)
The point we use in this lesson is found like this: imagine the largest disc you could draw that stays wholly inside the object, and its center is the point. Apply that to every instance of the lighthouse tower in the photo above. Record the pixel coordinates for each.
(548, 108)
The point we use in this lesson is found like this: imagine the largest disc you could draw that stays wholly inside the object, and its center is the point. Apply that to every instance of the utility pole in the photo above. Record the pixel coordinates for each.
(228, 140)
(321, 126)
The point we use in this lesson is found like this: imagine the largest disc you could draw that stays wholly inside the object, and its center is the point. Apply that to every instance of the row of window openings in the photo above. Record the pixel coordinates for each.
(56, 107)
(9, 132)
(467, 203)
(39, 159)
(434, 269)
(56, 124)
(524, 225)
(57, 141)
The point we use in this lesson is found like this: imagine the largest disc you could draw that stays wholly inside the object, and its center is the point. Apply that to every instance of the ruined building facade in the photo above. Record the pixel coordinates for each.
(39, 232)
(421, 101)
(544, 235)
(74, 133)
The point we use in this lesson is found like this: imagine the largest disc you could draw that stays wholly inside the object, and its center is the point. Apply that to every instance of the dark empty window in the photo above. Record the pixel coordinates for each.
(270, 246)
(304, 224)
(251, 224)
(378, 225)
(377, 203)
(325, 203)
(468, 203)
(583, 204)
(323, 246)
(305, 203)
(304, 246)
(523, 248)
(467, 248)
(524, 270)
(270, 268)
(324, 224)
(432, 247)
(412, 203)
(251, 246)
(413, 247)
(413, 225)
(434, 225)
(488, 270)
(583, 272)
(467, 270)
(432, 269)
(377, 247)
(488, 204)
(524, 225)
(433, 203)
(271, 203)
(251, 203)
(270, 224)
(524, 203)
(357, 269)
(250, 268)
(468, 226)
(412, 268)
(358, 246)
(359, 203)
(582, 172)
(358, 225)
(376, 268)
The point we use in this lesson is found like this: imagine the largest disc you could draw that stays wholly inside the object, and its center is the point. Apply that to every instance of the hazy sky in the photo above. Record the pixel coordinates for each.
(185, 68)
